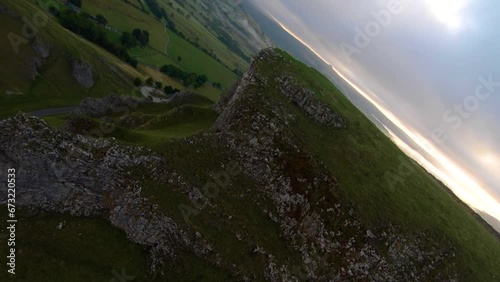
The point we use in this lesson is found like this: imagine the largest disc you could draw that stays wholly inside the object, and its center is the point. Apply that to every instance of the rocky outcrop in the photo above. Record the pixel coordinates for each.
(256, 129)
(309, 103)
(112, 104)
(187, 97)
(330, 240)
(41, 47)
(82, 72)
(67, 173)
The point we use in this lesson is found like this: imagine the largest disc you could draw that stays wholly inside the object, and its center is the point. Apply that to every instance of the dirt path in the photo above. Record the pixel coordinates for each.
(53, 111)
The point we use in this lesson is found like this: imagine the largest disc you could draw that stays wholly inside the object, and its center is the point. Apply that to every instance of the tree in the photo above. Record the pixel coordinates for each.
(136, 33)
(170, 90)
(190, 79)
(133, 62)
(79, 24)
(128, 40)
(101, 20)
(165, 69)
(53, 10)
(158, 84)
(137, 81)
(142, 36)
(200, 80)
(149, 81)
(179, 59)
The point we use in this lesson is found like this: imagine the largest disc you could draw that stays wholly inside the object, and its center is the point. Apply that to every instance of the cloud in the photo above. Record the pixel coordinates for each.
(415, 69)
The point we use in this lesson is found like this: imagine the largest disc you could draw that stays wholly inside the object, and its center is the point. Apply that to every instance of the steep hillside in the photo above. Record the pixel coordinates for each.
(289, 183)
(45, 65)
(165, 46)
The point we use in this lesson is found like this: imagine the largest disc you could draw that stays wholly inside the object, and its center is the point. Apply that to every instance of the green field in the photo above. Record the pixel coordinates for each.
(85, 249)
(195, 30)
(361, 155)
(126, 17)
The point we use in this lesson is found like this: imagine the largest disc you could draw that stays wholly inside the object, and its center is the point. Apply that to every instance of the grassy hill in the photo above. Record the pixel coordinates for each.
(259, 188)
(54, 86)
(309, 200)
(51, 84)
(125, 16)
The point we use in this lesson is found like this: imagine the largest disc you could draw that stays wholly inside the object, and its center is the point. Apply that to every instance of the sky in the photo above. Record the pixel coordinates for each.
(429, 67)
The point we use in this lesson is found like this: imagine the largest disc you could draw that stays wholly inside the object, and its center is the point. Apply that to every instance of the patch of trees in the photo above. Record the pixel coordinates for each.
(137, 81)
(142, 36)
(160, 12)
(170, 90)
(128, 40)
(83, 26)
(188, 79)
(137, 37)
(155, 8)
(101, 20)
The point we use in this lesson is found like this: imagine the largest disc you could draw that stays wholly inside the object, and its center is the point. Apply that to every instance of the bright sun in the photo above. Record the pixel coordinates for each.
(448, 11)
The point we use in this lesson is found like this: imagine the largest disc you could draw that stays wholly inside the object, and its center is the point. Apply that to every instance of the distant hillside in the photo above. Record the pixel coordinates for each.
(285, 181)
(52, 67)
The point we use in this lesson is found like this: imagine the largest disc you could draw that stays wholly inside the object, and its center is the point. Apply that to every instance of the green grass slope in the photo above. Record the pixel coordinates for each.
(55, 86)
(361, 155)
(125, 17)
(358, 157)
(84, 249)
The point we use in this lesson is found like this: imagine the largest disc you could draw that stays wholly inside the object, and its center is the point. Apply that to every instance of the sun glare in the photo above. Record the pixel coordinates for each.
(448, 12)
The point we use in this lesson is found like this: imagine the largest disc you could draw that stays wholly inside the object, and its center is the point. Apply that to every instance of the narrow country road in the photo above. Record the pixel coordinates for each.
(53, 111)
(146, 91)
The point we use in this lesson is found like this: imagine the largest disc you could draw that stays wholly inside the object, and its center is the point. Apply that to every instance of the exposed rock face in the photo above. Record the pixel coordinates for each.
(61, 172)
(308, 102)
(41, 47)
(270, 155)
(112, 104)
(82, 176)
(82, 72)
(186, 97)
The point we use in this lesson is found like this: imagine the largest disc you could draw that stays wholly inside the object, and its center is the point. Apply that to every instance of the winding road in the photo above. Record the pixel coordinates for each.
(53, 111)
